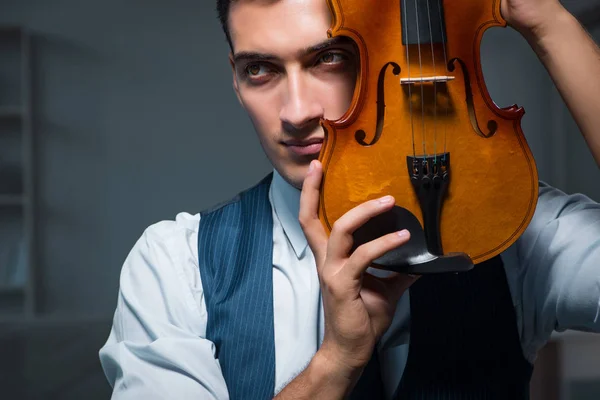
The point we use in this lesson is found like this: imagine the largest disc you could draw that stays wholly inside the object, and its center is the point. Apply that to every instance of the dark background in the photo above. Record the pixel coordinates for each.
(132, 120)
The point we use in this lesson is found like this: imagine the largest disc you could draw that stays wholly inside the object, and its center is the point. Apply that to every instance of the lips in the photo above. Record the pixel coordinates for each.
(305, 147)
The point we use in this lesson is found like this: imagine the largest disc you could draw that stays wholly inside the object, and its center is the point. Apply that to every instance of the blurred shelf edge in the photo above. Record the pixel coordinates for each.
(50, 320)
(11, 289)
(11, 112)
(571, 335)
(11, 200)
(11, 30)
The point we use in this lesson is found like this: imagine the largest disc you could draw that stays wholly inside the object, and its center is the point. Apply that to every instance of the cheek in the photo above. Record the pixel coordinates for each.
(337, 95)
(262, 107)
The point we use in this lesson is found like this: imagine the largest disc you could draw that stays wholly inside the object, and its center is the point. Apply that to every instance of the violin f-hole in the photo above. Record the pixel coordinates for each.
(491, 125)
(360, 135)
(360, 164)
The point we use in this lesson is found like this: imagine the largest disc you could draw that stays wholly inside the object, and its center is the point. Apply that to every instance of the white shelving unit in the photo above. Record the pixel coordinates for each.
(17, 208)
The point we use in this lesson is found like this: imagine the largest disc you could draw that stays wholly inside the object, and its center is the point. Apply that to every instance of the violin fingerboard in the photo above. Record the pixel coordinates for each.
(422, 22)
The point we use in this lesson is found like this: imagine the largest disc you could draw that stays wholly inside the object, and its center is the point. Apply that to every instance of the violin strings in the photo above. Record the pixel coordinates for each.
(446, 71)
(412, 126)
(421, 72)
(434, 86)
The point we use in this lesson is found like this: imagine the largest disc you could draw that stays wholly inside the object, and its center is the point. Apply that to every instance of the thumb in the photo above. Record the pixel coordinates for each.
(309, 212)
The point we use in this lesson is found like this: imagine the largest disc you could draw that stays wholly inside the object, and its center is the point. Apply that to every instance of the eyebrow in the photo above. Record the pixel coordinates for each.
(336, 41)
(255, 56)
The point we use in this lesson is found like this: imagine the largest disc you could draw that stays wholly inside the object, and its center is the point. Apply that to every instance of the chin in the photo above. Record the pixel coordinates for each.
(296, 180)
(294, 175)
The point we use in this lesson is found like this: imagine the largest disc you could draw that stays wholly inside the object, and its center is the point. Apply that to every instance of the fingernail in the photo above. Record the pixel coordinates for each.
(403, 233)
(311, 166)
(386, 199)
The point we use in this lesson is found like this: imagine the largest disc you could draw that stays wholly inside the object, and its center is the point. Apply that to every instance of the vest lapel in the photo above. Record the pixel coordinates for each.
(235, 249)
(235, 254)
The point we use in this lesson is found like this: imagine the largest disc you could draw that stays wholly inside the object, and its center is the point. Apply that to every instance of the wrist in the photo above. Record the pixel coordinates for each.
(324, 378)
(331, 368)
(542, 35)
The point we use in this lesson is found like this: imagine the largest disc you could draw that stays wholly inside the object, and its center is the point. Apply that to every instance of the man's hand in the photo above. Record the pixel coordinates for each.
(530, 17)
(358, 306)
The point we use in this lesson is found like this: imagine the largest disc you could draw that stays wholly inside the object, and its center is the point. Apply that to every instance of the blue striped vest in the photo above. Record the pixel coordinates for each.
(464, 342)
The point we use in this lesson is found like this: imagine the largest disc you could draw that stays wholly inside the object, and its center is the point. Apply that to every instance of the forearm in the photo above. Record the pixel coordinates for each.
(573, 61)
(322, 379)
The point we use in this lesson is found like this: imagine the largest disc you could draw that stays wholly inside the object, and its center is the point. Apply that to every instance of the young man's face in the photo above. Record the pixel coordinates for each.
(287, 79)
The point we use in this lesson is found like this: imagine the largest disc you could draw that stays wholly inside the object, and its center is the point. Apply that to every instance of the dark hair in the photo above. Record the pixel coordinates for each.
(223, 12)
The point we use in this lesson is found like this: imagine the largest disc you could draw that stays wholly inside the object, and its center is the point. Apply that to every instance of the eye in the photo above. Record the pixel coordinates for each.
(256, 70)
(333, 58)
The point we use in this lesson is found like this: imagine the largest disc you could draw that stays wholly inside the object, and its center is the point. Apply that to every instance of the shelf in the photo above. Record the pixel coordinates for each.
(11, 31)
(10, 112)
(11, 290)
(12, 299)
(11, 200)
(17, 216)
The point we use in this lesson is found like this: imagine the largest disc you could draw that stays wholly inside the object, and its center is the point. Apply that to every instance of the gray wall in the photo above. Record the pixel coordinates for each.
(136, 120)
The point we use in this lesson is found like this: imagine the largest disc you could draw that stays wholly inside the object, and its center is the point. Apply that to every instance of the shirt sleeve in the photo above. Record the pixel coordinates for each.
(157, 347)
(559, 268)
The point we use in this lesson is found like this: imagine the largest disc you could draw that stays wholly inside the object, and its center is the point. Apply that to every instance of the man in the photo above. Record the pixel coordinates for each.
(253, 300)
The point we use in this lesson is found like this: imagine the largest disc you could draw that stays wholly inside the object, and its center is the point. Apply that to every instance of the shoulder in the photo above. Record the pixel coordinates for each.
(557, 211)
(560, 222)
(175, 238)
(159, 282)
(563, 224)
(162, 266)
(554, 203)
(182, 226)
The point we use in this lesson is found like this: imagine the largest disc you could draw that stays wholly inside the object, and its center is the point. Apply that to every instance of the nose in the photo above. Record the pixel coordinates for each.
(301, 109)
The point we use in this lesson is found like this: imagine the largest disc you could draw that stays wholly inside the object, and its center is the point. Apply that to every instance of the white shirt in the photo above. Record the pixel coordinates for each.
(157, 348)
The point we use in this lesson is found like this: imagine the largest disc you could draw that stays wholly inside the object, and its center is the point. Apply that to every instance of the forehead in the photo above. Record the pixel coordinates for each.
(278, 26)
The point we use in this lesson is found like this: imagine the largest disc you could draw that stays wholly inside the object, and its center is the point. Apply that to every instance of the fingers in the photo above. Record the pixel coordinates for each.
(365, 254)
(338, 245)
(381, 296)
(341, 240)
(309, 212)
(393, 286)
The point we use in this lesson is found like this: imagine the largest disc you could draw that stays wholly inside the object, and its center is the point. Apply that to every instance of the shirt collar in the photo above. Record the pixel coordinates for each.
(286, 203)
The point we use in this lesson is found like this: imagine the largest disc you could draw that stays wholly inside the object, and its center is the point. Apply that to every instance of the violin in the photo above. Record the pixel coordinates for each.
(422, 127)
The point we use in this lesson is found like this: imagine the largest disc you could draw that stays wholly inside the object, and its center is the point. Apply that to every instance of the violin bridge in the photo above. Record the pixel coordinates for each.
(426, 79)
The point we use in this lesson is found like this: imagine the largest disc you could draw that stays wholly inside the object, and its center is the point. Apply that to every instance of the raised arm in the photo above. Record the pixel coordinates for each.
(570, 55)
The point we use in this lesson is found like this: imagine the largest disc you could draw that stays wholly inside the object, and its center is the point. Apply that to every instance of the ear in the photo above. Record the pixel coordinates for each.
(235, 81)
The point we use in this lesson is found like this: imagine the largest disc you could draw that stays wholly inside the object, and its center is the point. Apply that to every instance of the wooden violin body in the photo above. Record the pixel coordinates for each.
(423, 128)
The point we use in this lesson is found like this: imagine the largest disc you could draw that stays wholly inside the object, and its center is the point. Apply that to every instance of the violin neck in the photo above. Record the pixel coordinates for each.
(422, 22)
